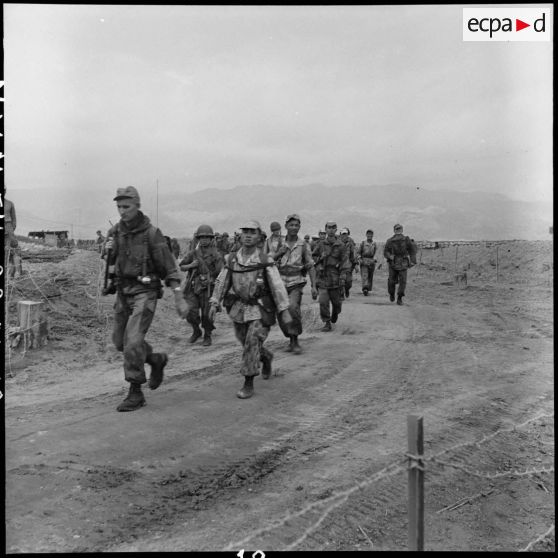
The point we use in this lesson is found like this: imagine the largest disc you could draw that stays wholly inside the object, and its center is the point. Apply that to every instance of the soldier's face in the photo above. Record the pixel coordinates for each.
(369, 236)
(331, 230)
(249, 237)
(205, 241)
(293, 226)
(127, 208)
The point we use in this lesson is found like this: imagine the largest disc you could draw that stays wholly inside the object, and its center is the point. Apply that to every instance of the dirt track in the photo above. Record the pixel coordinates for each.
(316, 459)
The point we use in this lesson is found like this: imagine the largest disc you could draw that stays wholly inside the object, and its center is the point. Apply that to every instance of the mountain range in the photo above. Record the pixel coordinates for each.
(425, 214)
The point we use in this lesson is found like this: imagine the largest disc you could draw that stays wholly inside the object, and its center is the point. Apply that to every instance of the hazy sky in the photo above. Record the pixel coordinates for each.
(219, 96)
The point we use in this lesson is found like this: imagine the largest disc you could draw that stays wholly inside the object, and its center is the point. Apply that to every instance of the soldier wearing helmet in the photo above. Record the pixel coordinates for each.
(202, 264)
(275, 241)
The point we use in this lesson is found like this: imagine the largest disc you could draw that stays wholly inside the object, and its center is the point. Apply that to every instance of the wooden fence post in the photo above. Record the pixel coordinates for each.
(32, 324)
(416, 483)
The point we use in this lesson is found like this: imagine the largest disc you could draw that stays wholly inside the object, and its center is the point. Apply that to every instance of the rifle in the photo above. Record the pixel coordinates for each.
(108, 284)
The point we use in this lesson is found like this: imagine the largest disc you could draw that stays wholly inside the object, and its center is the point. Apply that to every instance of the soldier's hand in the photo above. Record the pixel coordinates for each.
(213, 309)
(182, 307)
(314, 292)
(286, 316)
(109, 244)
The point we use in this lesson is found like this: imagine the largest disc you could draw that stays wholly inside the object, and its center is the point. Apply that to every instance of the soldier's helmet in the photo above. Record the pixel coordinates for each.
(204, 230)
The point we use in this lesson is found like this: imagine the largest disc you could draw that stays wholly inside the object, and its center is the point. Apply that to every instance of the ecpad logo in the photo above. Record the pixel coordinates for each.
(506, 24)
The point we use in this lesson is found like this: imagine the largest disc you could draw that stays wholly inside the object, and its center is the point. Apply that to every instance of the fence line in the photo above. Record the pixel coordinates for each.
(396, 467)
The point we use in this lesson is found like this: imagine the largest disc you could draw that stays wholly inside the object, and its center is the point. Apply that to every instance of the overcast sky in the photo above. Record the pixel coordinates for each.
(218, 96)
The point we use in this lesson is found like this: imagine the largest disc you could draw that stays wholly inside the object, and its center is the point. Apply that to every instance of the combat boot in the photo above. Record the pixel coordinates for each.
(158, 361)
(400, 299)
(297, 349)
(327, 326)
(365, 292)
(134, 399)
(334, 316)
(391, 297)
(206, 339)
(247, 389)
(195, 335)
(266, 366)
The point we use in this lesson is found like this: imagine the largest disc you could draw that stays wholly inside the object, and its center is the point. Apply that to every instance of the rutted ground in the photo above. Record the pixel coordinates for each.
(316, 459)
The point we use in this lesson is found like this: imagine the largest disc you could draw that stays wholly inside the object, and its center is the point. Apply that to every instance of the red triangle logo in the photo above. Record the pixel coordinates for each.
(519, 25)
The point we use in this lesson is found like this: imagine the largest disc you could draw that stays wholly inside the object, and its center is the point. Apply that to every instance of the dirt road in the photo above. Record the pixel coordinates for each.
(316, 460)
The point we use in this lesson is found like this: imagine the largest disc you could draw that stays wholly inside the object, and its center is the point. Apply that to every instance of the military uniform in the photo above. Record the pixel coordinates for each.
(367, 262)
(351, 252)
(199, 288)
(294, 261)
(400, 252)
(332, 267)
(140, 261)
(252, 292)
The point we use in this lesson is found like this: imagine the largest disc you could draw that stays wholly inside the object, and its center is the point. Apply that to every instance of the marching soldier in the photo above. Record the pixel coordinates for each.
(400, 252)
(140, 259)
(367, 261)
(294, 261)
(251, 289)
(350, 246)
(203, 265)
(332, 266)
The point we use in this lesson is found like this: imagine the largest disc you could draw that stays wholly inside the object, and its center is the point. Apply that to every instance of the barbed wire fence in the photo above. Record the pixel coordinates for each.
(325, 507)
(71, 296)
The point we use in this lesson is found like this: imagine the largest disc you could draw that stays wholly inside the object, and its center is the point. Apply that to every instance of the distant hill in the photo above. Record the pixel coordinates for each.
(425, 214)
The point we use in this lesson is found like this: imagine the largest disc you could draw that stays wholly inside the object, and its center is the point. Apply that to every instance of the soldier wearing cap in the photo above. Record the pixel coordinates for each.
(203, 264)
(332, 267)
(367, 261)
(251, 289)
(99, 241)
(140, 260)
(400, 253)
(294, 260)
(350, 245)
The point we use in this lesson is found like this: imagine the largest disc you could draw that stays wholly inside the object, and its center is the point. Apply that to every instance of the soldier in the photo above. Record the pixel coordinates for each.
(224, 245)
(99, 241)
(294, 261)
(252, 292)
(140, 260)
(203, 265)
(275, 241)
(350, 246)
(332, 266)
(367, 261)
(400, 252)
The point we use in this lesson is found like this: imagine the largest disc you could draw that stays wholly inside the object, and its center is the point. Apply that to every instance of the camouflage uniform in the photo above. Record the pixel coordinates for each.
(242, 289)
(140, 250)
(200, 286)
(294, 262)
(400, 252)
(367, 261)
(332, 267)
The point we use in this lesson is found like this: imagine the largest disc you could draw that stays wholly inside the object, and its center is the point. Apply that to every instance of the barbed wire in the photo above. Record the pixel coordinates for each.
(489, 437)
(489, 476)
(393, 468)
(539, 539)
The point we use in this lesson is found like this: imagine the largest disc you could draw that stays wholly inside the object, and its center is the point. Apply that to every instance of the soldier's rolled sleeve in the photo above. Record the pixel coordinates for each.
(278, 289)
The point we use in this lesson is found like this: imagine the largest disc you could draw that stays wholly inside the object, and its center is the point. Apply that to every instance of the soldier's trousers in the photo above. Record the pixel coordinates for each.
(133, 315)
(325, 296)
(397, 276)
(348, 282)
(252, 336)
(295, 327)
(199, 310)
(367, 276)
